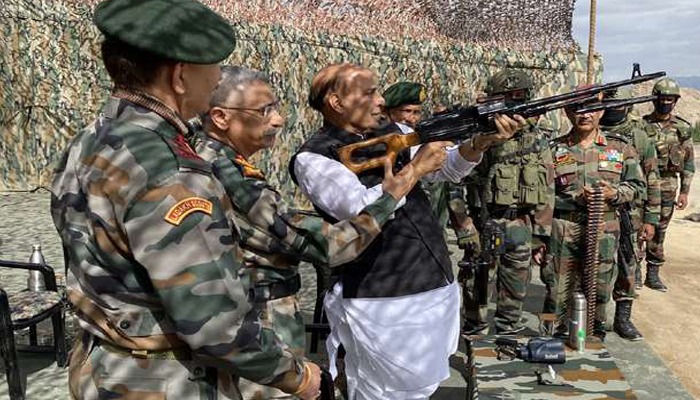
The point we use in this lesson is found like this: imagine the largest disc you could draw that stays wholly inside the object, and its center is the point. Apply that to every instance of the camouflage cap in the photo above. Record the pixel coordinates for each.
(508, 80)
(180, 30)
(402, 93)
(666, 87)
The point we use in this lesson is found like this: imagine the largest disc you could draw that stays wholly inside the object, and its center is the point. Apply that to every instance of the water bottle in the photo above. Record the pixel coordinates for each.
(578, 323)
(35, 282)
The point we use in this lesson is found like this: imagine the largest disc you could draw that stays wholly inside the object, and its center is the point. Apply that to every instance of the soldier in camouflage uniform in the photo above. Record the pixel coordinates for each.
(584, 158)
(152, 256)
(674, 146)
(644, 214)
(518, 194)
(244, 119)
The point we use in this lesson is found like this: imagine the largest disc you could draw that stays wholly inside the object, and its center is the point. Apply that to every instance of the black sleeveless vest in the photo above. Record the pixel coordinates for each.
(410, 255)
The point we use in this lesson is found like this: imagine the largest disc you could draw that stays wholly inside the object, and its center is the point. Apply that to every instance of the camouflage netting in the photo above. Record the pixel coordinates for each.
(52, 82)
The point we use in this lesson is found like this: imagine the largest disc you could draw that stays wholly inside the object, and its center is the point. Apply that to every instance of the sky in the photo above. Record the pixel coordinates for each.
(661, 35)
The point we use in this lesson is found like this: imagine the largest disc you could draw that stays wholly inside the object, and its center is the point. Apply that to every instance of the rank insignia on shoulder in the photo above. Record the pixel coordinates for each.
(248, 169)
(185, 207)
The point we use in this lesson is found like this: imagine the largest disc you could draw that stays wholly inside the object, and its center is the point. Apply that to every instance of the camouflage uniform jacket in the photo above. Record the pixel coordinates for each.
(152, 256)
(633, 130)
(674, 148)
(520, 173)
(277, 237)
(609, 158)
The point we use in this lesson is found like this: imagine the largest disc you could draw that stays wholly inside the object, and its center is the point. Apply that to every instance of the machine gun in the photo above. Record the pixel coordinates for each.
(463, 123)
(492, 239)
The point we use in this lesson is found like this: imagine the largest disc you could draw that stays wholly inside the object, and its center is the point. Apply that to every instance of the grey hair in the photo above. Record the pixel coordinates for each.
(234, 79)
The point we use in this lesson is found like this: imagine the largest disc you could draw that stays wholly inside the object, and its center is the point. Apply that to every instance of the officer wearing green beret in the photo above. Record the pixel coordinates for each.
(404, 102)
(151, 249)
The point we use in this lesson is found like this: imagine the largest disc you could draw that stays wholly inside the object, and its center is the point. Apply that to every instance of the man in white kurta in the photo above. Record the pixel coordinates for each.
(397, 338)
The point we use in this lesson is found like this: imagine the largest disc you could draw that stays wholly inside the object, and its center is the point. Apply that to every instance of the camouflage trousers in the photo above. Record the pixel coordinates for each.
(549, 279)
(512, 278)
(655, 247)
(284, 317)
(568, 254)
(97, 371)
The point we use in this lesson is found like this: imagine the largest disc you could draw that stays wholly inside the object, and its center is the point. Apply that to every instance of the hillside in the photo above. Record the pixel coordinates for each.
(688, 106)
(689, 81)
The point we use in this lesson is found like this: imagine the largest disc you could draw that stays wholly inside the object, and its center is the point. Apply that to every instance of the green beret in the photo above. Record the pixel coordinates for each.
(402, 93)
(180, 30)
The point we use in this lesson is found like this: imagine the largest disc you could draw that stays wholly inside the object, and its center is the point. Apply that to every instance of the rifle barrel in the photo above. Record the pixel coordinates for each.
(615, 104)
(586, 91)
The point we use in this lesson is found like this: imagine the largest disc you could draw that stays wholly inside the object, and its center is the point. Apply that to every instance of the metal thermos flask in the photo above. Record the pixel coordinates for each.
(578, 323)
(35, 282)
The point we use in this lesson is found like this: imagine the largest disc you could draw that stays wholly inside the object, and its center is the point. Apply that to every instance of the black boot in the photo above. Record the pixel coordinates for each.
(638, 283)
(471, 328)
(622, 325)
(653, 280)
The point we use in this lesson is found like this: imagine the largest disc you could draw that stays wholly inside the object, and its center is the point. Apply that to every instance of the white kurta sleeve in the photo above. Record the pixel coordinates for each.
(455, 168)
(332, 187)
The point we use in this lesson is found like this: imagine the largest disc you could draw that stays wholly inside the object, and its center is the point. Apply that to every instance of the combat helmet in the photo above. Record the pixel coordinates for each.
(666, 87)
(509, 80)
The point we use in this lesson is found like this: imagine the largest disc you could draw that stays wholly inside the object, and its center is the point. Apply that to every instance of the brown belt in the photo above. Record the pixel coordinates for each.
(181, 353)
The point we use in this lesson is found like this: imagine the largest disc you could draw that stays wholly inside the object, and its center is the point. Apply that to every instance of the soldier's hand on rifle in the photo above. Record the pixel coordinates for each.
(507, 127)
(647, 232)
(682, 202)
(539, 253)
(469, 238)
(473, 148)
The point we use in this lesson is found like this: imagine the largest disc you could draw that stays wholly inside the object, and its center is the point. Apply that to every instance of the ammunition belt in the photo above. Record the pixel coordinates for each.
(180, 353)
(580, 216)
(265, 291)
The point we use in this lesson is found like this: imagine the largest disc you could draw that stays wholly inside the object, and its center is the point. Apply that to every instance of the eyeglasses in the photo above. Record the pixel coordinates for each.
(264, 111)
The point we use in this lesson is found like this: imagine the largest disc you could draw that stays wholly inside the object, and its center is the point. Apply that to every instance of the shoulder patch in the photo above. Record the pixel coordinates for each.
(185, 207)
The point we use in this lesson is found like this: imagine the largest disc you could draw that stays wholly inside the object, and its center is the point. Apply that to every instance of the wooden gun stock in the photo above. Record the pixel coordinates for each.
(393, 143)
